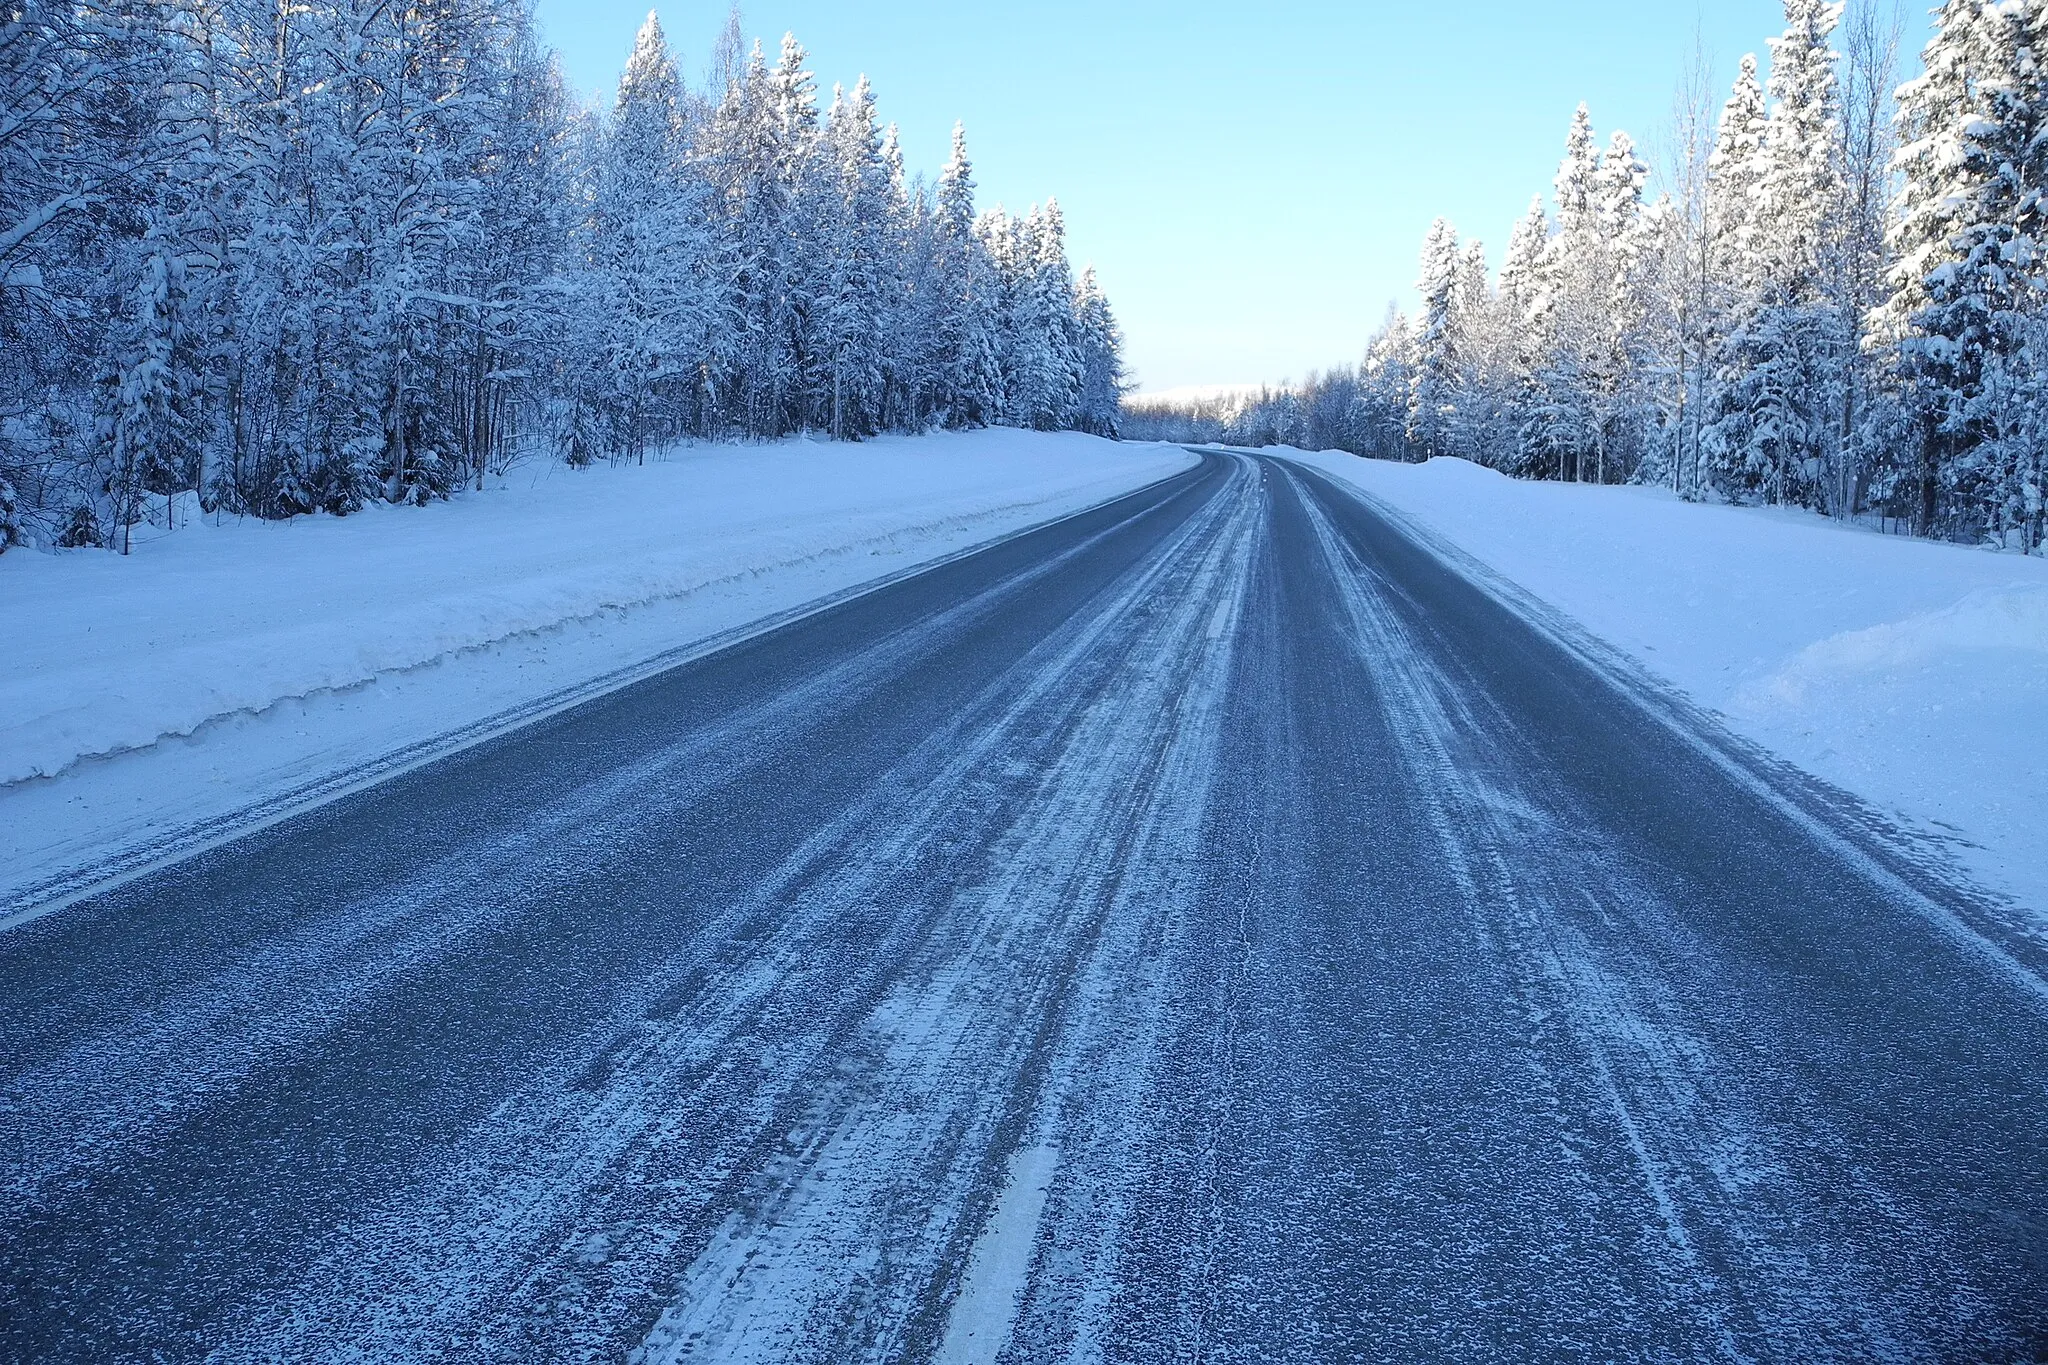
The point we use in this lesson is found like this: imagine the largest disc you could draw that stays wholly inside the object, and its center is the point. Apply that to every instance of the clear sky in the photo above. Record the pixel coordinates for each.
(1251, 180)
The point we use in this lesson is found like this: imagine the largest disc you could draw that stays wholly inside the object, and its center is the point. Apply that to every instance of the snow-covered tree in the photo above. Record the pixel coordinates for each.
(1735, 173)
(1805, 317)
(1772, 430)
(1433, 381)
(148, 435)
(861, 219)
(969, 383)
(1562, 414)
(1966, 288)
(1099, 344)
(302, 257)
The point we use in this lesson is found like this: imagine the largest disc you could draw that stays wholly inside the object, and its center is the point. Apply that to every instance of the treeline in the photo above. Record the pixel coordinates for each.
(1331, 411)
(1840, 303)
(296, 258)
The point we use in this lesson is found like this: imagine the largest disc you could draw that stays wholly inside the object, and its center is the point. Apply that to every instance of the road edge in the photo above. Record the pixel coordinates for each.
(125, 863)
(1918, 863)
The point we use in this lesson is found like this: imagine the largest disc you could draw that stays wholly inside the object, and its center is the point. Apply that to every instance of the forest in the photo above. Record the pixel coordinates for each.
(267, 260)
(1838, 302)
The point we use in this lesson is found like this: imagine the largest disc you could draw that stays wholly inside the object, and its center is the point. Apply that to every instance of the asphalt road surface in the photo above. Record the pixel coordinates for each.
(1210, 928)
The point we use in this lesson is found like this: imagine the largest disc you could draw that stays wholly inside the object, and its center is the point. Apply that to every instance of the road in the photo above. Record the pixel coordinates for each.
(1211, 928)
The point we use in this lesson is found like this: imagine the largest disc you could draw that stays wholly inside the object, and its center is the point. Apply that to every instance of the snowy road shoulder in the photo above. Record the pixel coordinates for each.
(221, 668)
(1912, 674)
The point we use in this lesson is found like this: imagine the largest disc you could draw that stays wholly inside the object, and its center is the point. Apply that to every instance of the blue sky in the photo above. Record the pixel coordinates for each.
(1251, 180)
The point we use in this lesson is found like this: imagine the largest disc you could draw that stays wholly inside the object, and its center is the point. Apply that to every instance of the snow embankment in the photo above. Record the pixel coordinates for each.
(221, 666)
(1912, 674)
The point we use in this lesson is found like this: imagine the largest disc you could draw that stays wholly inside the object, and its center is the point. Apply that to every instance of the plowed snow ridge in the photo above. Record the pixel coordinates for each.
(222, 665)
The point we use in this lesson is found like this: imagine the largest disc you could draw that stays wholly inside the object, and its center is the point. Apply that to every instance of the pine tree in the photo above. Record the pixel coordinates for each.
(149, 430)
(1524, 308)
(647, 255)
(1099, 402)
(1997, 471)
(1041, 362)
(13, 530)
(1801, 181)
(1937, 319)
(1625, 262)
(1385, 382)
(1488, 338)
(1523, 278)
(1435, 367)
(1576, 184)
(970, 388)
(506, 350)
(1735, 171)
(300, 257)
(1561, 425)
(1772, 428)
(859, 224)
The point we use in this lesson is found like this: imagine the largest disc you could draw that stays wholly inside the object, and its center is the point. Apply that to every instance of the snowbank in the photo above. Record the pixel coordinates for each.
(222, 666)
(1912, 674)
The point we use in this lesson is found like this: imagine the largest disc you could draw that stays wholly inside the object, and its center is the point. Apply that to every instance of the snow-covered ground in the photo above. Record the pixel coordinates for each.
(223, 667)
(1912, 674)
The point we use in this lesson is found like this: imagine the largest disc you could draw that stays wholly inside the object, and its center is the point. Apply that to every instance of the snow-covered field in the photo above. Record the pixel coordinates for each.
(221, 668)
(1912, 674)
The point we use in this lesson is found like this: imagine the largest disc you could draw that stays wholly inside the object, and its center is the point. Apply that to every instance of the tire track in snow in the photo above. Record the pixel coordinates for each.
(1131, 770)
(1752, 1253)
(79, 1100)
(1212, 930)
(268, 1020)
(517, 1198)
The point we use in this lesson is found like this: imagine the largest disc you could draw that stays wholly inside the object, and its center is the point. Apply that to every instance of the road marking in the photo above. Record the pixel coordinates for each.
(987, 1307)
(1220, 621)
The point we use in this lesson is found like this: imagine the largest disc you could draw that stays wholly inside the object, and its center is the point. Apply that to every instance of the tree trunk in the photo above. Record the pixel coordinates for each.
(1844, 489)
(1678, 445)
(1930, 464)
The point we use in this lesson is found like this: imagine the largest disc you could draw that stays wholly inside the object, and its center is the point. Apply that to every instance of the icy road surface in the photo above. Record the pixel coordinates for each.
(1207, 929)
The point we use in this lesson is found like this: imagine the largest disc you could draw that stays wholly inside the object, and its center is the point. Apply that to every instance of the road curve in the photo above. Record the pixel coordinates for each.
(1210, 928)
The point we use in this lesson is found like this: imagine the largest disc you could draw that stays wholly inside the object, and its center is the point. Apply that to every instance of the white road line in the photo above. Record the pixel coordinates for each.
(980, 1322)
(1221, 620)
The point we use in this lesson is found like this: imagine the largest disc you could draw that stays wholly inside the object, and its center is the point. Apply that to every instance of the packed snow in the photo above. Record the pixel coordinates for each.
(221, 666)
(1911, 673)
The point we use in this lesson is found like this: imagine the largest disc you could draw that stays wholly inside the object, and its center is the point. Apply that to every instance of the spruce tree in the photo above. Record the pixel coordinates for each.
(1561, 416)
(304, 256)
(1099, 402)
(1435, 366)
(1735, 169)
(970, 369)
(1964, 201)
(1772, 429)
